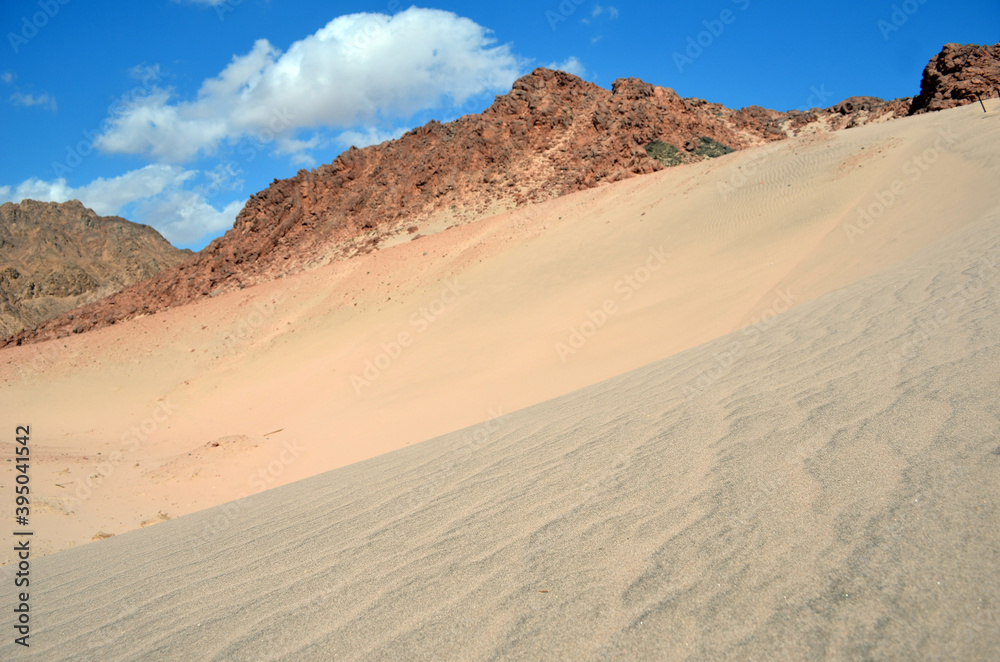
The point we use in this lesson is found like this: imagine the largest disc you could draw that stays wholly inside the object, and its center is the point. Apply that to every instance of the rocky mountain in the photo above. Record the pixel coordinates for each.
(552, 134)
(57, 256)
(956, 75)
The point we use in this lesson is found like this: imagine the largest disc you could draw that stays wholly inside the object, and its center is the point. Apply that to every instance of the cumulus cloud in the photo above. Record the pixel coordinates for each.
(155, 195)
(27, 100)
(360, 69)
(105, 196)
(184, 216)
(570, 65)
(366, 137)
(299, 149)
(7, 77)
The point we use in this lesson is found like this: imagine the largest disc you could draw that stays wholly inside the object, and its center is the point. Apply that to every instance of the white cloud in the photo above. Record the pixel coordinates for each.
(210, 3)
(105, 196)
(144, 72)
(184, 216)
(7, 77)
(360, 69)
(571, 65)
(27, 100)
(298, 149)
(366, 137)
(155, 192)
(598, 10)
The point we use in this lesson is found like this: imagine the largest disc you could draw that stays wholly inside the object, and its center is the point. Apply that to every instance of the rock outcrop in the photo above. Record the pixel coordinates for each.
(552, 134)
(956, 75)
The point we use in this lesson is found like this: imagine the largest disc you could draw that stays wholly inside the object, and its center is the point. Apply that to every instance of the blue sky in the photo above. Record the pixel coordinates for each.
(174, 112)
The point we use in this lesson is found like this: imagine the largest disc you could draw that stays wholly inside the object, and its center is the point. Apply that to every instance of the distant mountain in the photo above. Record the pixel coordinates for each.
(552, 134)
(57, 256)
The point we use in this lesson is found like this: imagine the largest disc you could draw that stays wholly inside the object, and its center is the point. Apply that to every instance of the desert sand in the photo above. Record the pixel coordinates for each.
(801, 462)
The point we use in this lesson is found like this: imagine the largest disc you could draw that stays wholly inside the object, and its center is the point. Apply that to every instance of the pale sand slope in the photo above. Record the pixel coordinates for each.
(821, 497)
(746, 233)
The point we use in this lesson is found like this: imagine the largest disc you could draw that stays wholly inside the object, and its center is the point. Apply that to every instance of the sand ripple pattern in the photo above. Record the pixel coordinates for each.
(820, 499)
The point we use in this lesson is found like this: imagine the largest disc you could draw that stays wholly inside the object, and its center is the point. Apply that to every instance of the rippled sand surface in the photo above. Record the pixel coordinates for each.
(829, 487)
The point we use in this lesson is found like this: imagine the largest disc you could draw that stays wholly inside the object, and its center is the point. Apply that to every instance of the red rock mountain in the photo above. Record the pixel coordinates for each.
(552, 134)
(57, 256)
(956, 75)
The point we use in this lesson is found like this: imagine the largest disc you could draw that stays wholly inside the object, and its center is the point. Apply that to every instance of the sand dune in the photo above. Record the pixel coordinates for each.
(829, 491)
(173, 413)
(802, 461)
